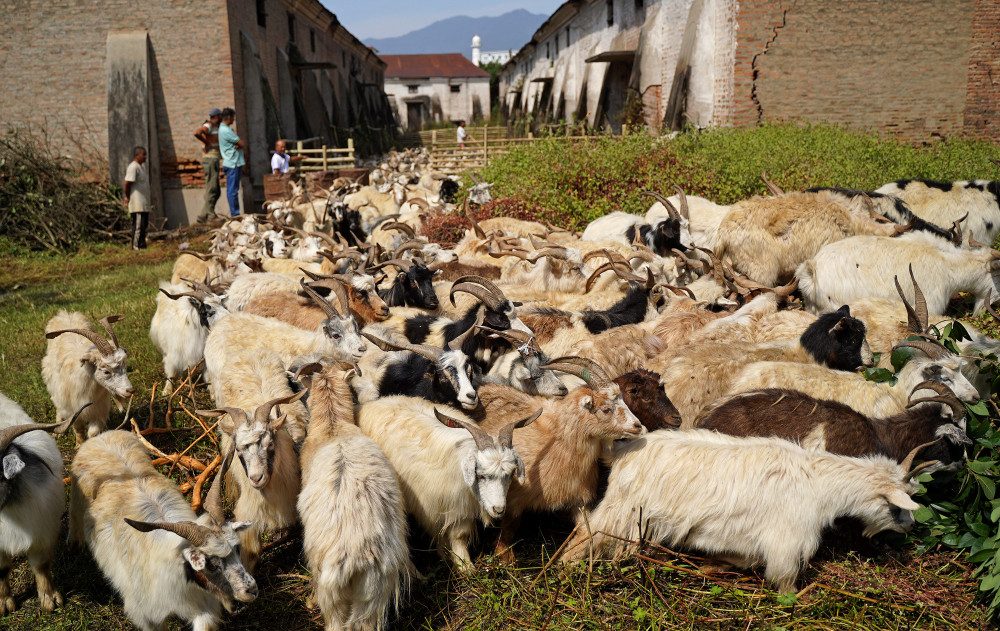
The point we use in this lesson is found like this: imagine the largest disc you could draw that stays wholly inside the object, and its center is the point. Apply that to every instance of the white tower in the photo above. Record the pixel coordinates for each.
(475, 49)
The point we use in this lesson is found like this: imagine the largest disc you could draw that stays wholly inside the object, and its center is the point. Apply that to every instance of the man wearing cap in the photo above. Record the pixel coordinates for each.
(208, 135)
(231, 147)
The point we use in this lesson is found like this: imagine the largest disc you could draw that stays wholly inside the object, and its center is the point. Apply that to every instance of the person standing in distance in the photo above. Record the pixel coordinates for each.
(208, 135)
(231, 147)
(460, 134)
(137, 196)
(280, 160)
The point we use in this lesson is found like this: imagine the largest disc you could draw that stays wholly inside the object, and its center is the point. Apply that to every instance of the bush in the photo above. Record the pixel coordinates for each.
(46, 203)
(587, 179)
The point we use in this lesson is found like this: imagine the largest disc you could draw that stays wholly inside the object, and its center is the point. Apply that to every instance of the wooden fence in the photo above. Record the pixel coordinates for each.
(481, 146)
(324, 158)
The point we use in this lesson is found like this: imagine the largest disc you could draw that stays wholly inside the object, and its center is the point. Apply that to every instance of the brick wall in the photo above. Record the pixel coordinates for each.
(915, 69)
(55, 77)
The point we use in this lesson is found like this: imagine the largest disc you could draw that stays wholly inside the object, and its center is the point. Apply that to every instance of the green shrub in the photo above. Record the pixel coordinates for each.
(587, 179)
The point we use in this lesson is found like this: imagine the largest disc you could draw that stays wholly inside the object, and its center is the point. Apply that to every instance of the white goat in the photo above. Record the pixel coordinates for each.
(180, 326)
(84, 368)
(943, 203)
(749, 500)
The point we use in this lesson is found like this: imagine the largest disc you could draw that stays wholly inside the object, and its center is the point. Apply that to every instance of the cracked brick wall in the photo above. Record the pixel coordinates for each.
(915, 70)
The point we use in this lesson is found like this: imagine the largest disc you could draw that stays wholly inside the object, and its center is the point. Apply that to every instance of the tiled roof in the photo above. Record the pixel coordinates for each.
(438, 65)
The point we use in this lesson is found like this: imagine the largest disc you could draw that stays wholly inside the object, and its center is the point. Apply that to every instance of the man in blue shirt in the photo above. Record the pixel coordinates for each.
(231, 147)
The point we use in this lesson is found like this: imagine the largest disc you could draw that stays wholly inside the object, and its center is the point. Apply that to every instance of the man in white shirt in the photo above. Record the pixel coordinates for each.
(280, 160)
(461, 134)
(137, 196)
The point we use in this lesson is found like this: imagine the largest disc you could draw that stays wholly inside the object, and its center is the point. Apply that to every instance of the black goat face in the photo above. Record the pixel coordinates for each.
(418, 284)
(838, 340)
(665, 236)
(449, 188)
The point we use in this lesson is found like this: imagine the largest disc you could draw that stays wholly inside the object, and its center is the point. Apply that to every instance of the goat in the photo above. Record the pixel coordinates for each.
(356, 293)
(862, 267)
(249, 286)
(889, 206)
(180, 326)
(267, 482)
(767, 238)
(337, 337)
(449, 478)
(190, 265)
(698, 375)
(186, 566)
(84, 368)
(412, 287)
(521, 368)
(662, 237)
(352, 511)
(877, 400)
(703, 216)
(32, 500)
(643, 394)
(943, 203)
(748, 500)
(561, 448)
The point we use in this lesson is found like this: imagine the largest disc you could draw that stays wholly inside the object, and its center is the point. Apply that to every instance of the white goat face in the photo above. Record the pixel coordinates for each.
(527, 375)
(109, 372)
(949, 372)
(343, 332)
(455, 366)
(480, 194)
(255, 448)
(889, 509)
(488, 473)
(437, 254)
(614, 419)
(218, 560)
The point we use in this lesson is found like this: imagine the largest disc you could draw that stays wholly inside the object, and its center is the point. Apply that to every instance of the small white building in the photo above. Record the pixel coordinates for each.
(435, 88)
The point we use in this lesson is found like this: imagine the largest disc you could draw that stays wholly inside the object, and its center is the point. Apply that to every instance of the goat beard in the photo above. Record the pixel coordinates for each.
(202, 581)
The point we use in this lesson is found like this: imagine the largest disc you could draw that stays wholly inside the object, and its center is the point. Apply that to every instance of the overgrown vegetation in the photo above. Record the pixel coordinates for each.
(45, 201)
(586, 179)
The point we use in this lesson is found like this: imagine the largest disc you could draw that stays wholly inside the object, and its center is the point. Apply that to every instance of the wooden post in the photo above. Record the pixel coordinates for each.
(350, 149)
(434, 138)
(325, 165)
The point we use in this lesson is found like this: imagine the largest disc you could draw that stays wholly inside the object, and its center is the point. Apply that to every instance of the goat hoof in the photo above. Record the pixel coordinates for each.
(7, 605)
(50, 602)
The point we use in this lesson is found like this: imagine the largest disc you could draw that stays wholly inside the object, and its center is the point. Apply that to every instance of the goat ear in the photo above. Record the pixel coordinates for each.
(195, 558)
(838, 327)
(519, 473)
(12, 465)
(239, 526)
(845, 311)
(279, 421)
(900, 499)
(469, 470)
(587, 403)
(521, 372)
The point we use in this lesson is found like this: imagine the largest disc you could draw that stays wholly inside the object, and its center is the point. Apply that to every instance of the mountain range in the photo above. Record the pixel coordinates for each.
(509, 31)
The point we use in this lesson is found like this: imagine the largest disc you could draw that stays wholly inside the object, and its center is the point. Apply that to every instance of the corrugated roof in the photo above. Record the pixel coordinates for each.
(438, 65)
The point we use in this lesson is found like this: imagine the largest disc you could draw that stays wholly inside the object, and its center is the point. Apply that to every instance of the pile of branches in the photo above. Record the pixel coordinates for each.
(47, 203)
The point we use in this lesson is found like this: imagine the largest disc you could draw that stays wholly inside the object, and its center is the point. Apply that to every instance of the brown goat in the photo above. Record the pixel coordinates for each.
(836, 428)
(643, 394)
(301, 312)
(561, 449)
(457, 269)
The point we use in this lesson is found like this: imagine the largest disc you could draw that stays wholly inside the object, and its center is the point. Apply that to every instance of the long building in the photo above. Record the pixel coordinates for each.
(100, 76)
(436, 88)
(915, 69)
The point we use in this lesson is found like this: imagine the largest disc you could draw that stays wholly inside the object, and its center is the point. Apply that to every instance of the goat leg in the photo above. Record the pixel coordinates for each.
(7, 604)
(41, 564)
(505, 543)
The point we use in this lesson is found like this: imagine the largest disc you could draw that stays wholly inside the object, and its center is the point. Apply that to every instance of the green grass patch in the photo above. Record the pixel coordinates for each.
(586, 179)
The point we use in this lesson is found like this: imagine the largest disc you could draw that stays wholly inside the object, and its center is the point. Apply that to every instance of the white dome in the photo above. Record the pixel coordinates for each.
(476, 41)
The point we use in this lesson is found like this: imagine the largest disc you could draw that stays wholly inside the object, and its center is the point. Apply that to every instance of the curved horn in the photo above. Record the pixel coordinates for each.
(406, 246)
(8, 434)
(583, 367)
(931, 349)
(611, 255)
(916, 317)
(196, 295)
(681, 291)
(956, 230)
(475, 224)
(506, 436)
(621, 269)
(107, 322)
(320, 300)
(213, 499)
(420, 203)
(337, 286)
(946, 396)
(907, 463)
(104, 347)
(524, 255)
(195, 534)
(400, 226)
(263, 412)
(325, 237)
(481, 288)
(425, 351)
(401, 264)
(198, 255)
(514, 336)
(683, 200)
(483, 440)
(456, 344)
(773, 188)
(673, 212)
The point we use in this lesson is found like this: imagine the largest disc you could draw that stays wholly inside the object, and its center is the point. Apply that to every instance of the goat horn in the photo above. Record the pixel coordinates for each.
(412, 244)
(457, 343)
(213, 499)
(199, 255)
(583, 367)
(519, 338)
(325, 237)
(611, 255)
(957, 409)
(773, 188)
(947, 396)
(323, 303)
(185, 294)
(989, 306)
(483, 440)
(263, 412)
(682, 198)
(401, 264)
(931, 349)
(956, 230)
(621, 269)
(107, 322)
(238, 415)
(475, 224)
(506, 436)
(400, 226)
(673, 212)
(916, 316)
(524, 255)
(424, 350)
(8, 434)
(420, 202)
(481, 288)
(195, 534)
(339, 286)
(907, 463)
(104, 347)
(681, 291)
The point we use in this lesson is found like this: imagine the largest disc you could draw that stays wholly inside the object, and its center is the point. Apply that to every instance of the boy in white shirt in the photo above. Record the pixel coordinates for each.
(461, 134)
(137, 196)
(280, 160)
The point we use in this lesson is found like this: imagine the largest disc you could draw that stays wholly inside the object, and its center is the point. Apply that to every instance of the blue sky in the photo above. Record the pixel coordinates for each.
(388, 18)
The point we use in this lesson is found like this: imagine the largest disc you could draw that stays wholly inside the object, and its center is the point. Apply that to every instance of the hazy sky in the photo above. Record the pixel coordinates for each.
(388, 18)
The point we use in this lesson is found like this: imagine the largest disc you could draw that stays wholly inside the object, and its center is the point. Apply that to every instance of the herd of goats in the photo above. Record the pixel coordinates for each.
(691, 377)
